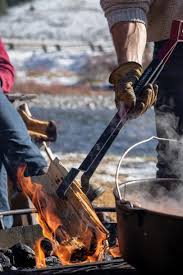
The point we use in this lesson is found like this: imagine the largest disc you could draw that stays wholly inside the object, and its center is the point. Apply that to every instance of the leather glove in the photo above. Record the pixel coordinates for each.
(123, 78)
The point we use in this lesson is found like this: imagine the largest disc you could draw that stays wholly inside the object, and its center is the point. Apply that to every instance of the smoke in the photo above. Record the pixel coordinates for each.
(165, 198)
(164, 194)
(169, 154)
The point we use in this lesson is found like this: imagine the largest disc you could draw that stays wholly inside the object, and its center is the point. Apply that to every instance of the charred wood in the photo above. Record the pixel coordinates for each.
(24, 256)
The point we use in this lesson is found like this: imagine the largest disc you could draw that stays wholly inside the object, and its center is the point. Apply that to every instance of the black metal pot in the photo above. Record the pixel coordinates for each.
(149, 240)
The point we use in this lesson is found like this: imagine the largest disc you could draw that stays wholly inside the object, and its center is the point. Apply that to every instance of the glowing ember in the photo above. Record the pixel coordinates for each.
(115, 252)
(75, 232)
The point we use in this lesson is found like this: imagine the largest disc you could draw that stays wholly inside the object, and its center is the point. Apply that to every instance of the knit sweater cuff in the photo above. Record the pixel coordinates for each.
(130, 14)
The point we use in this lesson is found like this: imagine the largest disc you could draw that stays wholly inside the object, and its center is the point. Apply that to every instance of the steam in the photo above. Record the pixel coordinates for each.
(163, 195)
(170, 154)
(163, 201)
(128, 150)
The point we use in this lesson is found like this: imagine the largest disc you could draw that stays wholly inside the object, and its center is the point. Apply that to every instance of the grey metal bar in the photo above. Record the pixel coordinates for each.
(105, 209)
(2, 222)
(18, 212)
(34, 211)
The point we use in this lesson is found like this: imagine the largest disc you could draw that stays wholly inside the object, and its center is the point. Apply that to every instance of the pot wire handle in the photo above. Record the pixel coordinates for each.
(125, 154)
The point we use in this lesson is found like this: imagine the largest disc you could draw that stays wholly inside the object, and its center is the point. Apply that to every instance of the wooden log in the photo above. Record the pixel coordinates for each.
(69, 219)
(38, 129)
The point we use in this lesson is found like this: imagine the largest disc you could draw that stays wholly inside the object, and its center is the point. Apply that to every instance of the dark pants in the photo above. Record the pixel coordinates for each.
(169, 115)
(16, 148)
(4, 203)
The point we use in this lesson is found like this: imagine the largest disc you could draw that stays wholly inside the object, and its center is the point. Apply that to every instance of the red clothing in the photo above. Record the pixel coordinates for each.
(7, 72)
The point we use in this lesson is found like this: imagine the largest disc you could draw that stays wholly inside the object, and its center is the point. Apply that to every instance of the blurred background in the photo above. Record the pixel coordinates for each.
(62, 52)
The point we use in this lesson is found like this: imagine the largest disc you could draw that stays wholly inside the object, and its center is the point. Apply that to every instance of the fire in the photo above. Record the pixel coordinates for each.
(115, 251)
(40, 256)
(73, 235)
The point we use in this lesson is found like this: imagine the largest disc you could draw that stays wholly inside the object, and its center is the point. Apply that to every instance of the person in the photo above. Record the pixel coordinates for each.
(16, 147)
(132, 24)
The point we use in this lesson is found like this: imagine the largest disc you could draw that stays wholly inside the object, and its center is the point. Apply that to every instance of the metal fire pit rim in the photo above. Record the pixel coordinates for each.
(28, 211)
(125, 204)
(34, 211)
(84, 267)
(113, 265)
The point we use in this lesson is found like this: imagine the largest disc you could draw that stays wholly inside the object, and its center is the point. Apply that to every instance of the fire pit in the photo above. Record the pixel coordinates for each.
(150, 224)
(17, 245)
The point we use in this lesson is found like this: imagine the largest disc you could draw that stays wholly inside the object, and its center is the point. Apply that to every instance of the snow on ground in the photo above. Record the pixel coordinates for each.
(66, 67)
(131, 169)
(66, 20)
(58, 19)
(80, 119)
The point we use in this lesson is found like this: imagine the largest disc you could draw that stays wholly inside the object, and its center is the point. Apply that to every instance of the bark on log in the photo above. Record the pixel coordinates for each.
(71, 219)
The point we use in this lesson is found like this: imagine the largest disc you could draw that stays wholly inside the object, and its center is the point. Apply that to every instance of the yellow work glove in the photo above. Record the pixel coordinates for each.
(123, 79)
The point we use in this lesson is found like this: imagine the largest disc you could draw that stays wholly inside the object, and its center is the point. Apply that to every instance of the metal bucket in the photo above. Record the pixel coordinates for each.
(149, 240)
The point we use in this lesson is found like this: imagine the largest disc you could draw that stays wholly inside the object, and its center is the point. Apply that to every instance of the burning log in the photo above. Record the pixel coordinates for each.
(109, 266)
(71, 225)
(50, 260)
(46, 247)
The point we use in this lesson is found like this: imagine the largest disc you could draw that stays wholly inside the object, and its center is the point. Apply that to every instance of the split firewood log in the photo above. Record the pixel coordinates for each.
(72, 224)
(41, 130)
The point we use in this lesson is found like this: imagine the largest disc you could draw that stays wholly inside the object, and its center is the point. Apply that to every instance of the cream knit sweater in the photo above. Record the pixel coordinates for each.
(157, 15)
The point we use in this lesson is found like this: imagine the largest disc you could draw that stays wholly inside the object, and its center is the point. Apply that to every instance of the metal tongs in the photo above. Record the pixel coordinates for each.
(92, 160)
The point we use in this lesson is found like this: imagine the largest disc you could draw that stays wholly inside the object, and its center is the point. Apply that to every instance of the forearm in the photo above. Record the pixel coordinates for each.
(129, 40)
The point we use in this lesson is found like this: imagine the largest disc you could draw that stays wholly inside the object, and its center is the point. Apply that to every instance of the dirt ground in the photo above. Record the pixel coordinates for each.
(107, 199)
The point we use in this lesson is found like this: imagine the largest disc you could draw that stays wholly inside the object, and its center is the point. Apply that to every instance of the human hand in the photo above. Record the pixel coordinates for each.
(123, 78)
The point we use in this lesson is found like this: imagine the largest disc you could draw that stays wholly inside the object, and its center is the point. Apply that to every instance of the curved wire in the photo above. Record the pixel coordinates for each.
(127, 151)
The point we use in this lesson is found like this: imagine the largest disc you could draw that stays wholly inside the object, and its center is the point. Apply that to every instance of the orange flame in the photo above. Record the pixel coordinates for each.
(115, 252)
(87, 243)
(40, 256)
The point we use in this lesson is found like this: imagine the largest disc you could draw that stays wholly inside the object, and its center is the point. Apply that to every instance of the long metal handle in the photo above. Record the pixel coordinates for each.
(150, 75)
(96, 154)
(98, 151)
